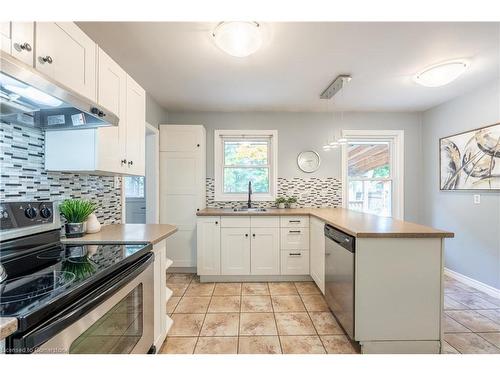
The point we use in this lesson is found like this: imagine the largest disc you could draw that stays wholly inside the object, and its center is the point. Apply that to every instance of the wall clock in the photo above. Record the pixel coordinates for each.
(308, 161)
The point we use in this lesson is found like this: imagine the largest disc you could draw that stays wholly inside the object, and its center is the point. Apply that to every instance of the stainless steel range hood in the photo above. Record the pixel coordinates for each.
(28, 97)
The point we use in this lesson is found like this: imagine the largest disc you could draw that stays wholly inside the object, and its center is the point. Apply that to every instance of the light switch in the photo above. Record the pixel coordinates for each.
(477, 199)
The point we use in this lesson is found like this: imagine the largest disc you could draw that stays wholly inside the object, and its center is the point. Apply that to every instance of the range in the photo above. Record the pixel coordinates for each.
(72, 298)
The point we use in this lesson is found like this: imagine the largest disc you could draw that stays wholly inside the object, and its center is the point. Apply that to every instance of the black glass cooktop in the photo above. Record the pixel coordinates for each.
(44, 278)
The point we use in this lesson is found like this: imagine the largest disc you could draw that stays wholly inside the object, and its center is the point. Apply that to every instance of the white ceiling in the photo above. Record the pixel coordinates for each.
(179, 65)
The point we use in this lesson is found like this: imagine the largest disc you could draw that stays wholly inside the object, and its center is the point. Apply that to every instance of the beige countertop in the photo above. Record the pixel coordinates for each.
(7, 327)
(127, 233)
(355, 223)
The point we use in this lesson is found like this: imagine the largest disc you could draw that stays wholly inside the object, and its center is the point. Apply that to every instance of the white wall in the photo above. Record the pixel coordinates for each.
(155, 114)
(475, 250)
(300, 131)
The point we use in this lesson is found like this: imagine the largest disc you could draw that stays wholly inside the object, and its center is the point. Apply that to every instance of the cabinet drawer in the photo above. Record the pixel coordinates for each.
(294, 238)
(294, 221)
(235, 222)
(295, 262)
(265, 222)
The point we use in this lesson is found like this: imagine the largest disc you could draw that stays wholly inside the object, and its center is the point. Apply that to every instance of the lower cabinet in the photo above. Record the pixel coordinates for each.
(265, 251)
(235, 251)
(208, 246)
(317, 248)
(294, 262)
(160, 291)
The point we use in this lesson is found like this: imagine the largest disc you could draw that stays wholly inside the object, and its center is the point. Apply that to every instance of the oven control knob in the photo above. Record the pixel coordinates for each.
(30, 212)
(45, 212)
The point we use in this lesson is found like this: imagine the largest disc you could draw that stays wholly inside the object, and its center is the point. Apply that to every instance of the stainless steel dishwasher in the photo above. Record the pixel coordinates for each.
(339, 276)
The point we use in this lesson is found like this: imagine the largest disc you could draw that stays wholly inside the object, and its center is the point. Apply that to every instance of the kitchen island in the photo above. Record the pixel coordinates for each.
(397, 266)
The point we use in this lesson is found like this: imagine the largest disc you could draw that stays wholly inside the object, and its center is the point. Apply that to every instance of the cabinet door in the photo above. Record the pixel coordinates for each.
(209, 246)
(136, 128)
(265, 251)
(111, 94)
(182, 172)
(67, 54)
(23, 34)
(318, 253)
(5, 37)
(180, 138)
(235, 251)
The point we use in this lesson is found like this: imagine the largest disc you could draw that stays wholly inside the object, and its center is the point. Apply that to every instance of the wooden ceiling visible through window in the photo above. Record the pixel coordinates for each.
(366, 157)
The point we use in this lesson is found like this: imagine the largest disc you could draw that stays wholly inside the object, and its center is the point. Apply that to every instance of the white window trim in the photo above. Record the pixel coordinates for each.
(218, 162)
(397, 138)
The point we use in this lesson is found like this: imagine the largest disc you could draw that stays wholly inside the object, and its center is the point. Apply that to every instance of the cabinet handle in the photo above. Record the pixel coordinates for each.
(23, 47)
(46, 59)
(124, 161)
(246, 234)
(294, 231)
(294, 221)
(130, 163)
(198, 145)
(295, 254)
(216, 223)
(253, 235)
(197, 210)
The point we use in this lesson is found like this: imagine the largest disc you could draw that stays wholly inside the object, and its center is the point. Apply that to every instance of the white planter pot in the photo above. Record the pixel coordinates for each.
(93, 225)
(281, 205)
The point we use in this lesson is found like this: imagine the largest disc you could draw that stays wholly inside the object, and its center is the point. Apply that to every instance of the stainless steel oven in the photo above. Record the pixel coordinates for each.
(117, 317)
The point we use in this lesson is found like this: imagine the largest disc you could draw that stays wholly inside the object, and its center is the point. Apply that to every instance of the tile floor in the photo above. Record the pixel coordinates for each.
(250, 318)
(293, 318)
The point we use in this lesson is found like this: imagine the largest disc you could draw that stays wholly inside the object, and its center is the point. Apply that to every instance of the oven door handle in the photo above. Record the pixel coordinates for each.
(74, 312)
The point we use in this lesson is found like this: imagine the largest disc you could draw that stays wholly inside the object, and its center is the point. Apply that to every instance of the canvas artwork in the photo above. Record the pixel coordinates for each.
(471, 160)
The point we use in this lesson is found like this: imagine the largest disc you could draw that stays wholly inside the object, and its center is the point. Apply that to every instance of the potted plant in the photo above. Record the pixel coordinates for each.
(76, 212)
(280, 202)
(292, 202)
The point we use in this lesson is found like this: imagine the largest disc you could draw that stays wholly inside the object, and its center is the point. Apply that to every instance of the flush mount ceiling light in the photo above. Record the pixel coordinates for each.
(441, 74)
(237, 38)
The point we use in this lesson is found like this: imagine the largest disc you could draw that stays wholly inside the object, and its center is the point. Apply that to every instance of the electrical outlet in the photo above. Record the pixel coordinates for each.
(477, 199)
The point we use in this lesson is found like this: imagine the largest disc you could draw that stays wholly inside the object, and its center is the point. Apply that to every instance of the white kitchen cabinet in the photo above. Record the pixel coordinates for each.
(160, 289)
(317, 249)
(17, 39)
(209, 246)
(294, 238)
(265, 251)
(182, 189)
(136, 128)
(294, 221)
(235, 251)
(294, 262)
(65, 53)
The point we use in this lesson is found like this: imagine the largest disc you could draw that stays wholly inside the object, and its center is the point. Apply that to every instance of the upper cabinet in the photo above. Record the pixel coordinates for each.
(136, 128)
(17, 39)
(65, 53)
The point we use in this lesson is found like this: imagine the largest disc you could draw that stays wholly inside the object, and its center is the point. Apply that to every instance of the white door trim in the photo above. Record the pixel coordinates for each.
(152, 172)
(397, 138)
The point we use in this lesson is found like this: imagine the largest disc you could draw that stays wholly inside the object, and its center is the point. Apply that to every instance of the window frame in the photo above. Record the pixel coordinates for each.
(396, 150)
(219, 137)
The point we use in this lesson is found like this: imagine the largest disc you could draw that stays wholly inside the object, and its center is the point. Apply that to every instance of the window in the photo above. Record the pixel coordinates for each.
(242, 157)
(134, 187)
(373, 175)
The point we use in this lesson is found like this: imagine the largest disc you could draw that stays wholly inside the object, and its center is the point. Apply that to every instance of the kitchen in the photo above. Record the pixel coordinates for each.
(199, 201)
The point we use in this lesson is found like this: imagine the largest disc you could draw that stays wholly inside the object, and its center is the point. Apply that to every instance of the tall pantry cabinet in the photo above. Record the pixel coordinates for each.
(182, 187)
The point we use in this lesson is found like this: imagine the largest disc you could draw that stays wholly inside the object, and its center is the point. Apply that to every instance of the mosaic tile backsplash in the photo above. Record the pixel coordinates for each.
(310, 192)
(23, 176)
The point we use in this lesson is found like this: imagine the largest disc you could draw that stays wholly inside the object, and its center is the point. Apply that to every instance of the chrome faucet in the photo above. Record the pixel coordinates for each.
(249, 204)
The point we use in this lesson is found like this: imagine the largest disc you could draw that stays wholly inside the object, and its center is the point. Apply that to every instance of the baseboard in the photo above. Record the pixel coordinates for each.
(181, 270)
(488, 289)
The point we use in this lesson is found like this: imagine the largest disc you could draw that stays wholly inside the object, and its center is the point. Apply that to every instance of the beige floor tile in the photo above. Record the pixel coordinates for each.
(287, 304)
(451, 325)
(255, 324)
(325, 323)
(472, 301)
(225, 324)
(217, 345)
(492, 337)
(338, 344)
(200, 289)
(259, 345)
(255, 289)
(282, 288)
(474, 321)
(172, 303)
(224, 304)
(179, 278)
(491, 314)
(315, 303)
(191, 305)
(470, 343)
(307, 287)
(448, 349)
(302, 345)
(227, 289)
(451, 304)
(256, 304)
(186, 324)
(177, 289)
(297, 323)
(179, 345)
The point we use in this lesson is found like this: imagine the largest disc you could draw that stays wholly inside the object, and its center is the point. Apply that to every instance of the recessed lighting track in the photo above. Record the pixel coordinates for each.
(334, 87)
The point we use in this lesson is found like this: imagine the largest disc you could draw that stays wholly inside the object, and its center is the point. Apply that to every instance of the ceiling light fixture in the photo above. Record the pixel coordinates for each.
(441, 74)
(238, 38)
